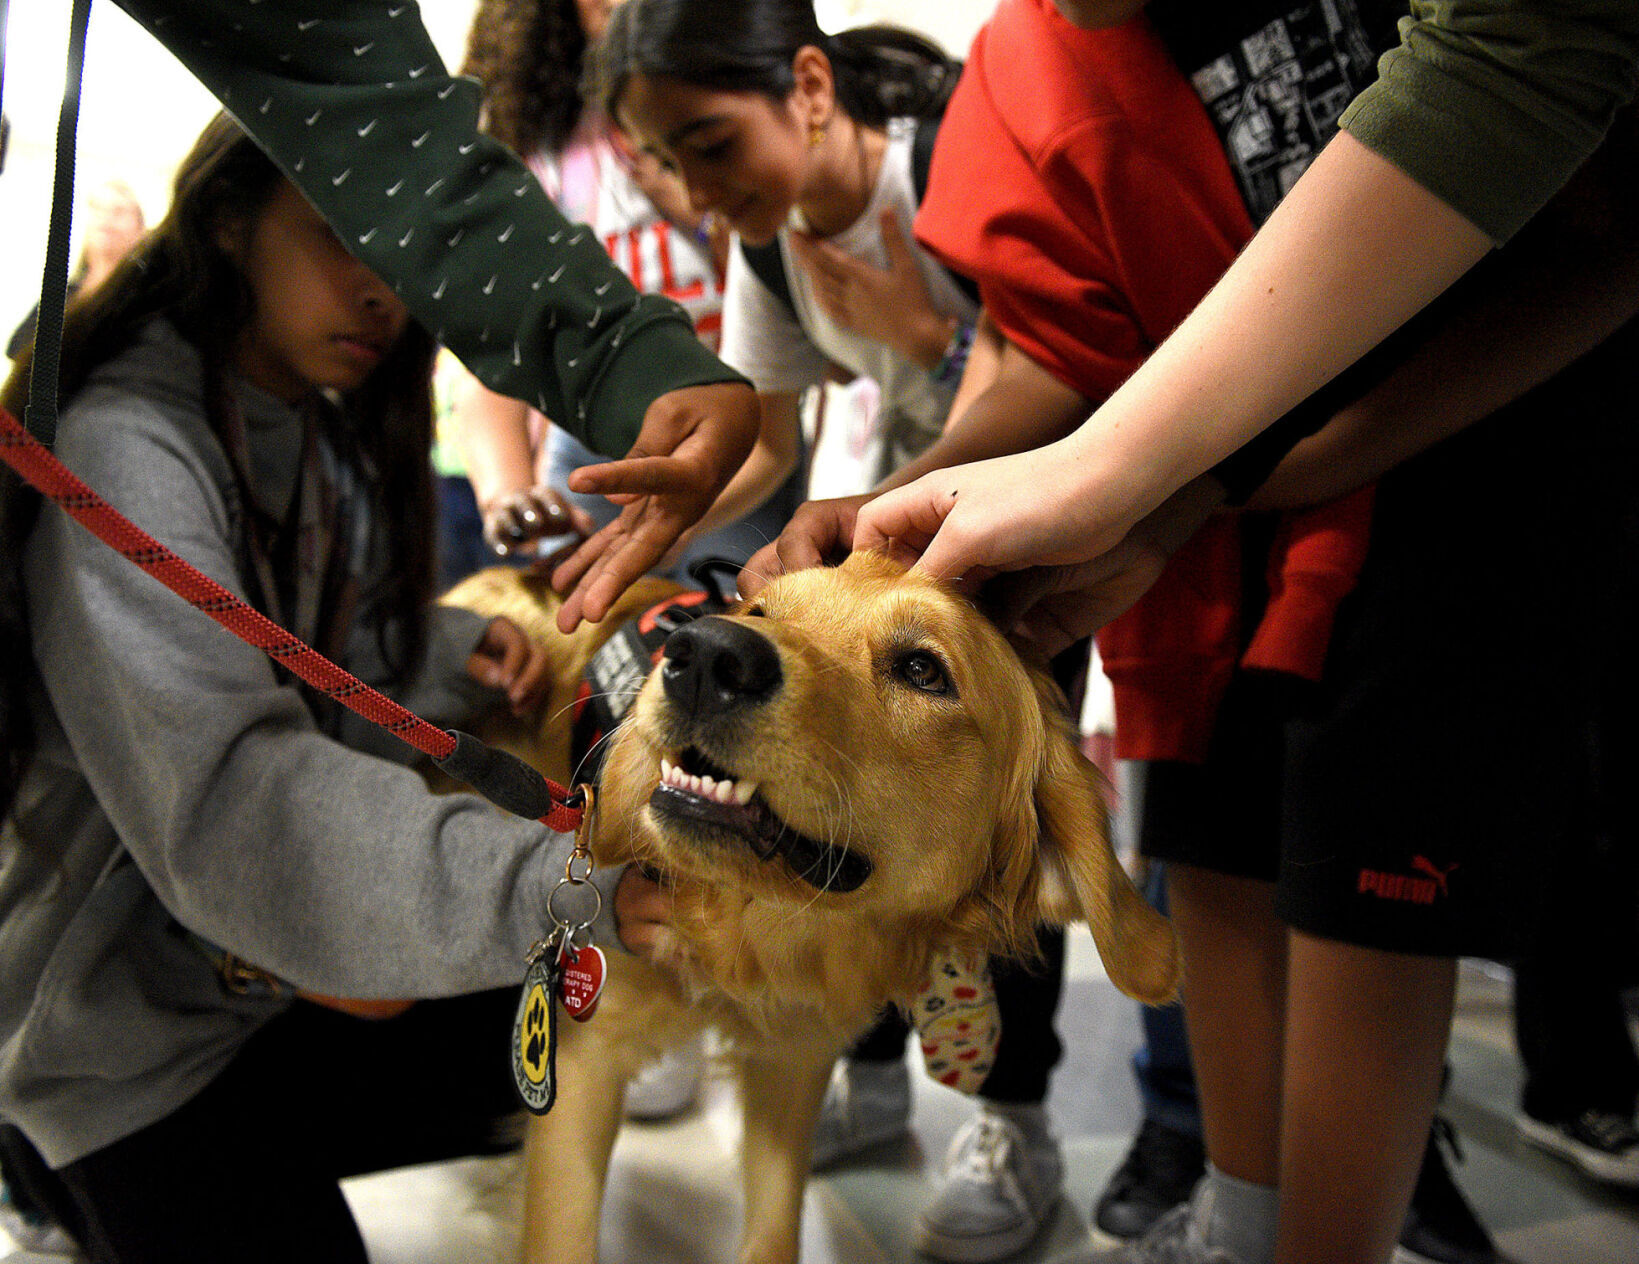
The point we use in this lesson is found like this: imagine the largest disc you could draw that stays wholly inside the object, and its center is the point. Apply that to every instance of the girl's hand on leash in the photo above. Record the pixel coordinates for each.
(817, 535)
(515, 522)
(692, 442)
(643, 911)
(508, 660)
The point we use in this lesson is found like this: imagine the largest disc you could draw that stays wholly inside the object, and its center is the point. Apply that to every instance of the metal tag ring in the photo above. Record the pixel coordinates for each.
(569, 868)
(572, 927)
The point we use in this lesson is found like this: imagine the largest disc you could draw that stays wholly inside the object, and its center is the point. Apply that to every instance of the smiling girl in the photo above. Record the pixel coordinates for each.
(247, 391)
(807, 141)
(802, 138)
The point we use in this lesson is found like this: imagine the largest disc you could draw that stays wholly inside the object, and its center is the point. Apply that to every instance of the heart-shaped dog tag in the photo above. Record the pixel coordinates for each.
(581, 981)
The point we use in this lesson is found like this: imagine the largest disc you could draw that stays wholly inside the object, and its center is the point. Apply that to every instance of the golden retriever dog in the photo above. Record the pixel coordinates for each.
(845, 780)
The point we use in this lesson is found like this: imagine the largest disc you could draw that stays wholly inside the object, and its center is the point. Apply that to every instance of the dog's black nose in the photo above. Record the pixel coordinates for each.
(713, 665)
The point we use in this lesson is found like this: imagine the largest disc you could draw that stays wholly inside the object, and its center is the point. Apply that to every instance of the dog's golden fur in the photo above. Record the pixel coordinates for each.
(977, 812)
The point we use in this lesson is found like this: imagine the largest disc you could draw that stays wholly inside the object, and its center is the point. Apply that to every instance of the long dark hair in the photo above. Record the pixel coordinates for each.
(180, 271)
(881, 71)
(527, 54)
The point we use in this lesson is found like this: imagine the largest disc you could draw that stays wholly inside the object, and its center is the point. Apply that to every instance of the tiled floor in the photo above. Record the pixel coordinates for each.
(673, 1191)
(673, 1194)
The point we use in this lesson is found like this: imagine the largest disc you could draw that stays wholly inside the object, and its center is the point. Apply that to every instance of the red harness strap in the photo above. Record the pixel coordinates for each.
(498, 776)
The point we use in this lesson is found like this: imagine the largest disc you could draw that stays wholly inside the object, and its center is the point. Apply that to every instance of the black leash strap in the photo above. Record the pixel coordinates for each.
(502, 778)
(41, 415)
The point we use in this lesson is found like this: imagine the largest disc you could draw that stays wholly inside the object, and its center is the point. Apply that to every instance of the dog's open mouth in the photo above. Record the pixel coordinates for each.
(695, 789)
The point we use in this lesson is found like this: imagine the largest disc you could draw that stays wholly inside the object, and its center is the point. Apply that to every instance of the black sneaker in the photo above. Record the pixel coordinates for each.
(1158, 1173)
(1441, 1228)
(1602, 1143)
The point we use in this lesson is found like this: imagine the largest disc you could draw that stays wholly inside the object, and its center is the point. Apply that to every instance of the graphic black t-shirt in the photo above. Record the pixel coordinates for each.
(1275, 76)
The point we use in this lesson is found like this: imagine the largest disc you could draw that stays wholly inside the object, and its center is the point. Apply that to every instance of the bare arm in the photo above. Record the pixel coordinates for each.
(492, 433)
(1012, 402)
(1561, 287)
(1272, 331)
(1020, 406)
(984, 362)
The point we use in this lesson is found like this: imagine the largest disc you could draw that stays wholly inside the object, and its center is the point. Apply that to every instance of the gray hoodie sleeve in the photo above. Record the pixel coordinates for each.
(334, 869)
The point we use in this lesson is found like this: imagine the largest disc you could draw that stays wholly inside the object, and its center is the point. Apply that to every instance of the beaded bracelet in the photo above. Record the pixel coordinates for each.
(951, 364)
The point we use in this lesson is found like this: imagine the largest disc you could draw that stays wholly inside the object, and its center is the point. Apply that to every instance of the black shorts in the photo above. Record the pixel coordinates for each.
(1449, 764)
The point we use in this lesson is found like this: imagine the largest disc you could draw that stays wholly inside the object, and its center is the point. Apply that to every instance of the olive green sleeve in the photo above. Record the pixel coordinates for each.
(1492, 104)
(353, 102)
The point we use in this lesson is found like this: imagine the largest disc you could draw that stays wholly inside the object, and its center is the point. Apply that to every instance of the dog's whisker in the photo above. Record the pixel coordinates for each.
(841, 754)
(603, 740)
(627, 694)
(760, 573)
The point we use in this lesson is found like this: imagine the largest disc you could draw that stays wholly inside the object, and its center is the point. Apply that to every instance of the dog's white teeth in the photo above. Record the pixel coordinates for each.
(725, 791)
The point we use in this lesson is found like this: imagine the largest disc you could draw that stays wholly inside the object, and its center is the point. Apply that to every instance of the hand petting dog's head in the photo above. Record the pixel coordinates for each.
(861, 744)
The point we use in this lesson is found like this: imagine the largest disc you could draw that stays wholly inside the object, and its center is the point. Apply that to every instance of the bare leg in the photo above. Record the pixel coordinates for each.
(781, 1102)
(1366, 1038)
(1234, 994)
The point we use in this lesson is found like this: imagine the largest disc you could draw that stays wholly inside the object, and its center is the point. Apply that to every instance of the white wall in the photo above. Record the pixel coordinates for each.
(140, 111)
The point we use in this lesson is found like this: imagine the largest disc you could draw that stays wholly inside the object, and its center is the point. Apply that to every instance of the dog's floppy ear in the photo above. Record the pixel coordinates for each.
(1083, 880)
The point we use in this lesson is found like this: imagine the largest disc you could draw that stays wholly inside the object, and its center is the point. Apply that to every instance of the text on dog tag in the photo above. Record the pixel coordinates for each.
(580, 983)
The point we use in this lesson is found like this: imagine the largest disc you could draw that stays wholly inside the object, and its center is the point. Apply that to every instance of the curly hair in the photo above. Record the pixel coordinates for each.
(527, 54)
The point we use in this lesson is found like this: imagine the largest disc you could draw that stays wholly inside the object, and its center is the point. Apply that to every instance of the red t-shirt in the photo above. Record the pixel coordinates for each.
(1079, 181)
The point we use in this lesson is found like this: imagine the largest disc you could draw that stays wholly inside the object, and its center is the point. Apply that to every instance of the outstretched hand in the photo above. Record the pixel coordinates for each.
(1037, 508)
(1037, 577)
(691, 443)
(1053, 607)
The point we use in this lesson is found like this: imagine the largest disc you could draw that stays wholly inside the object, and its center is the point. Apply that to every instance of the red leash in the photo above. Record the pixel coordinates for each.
(502, 778)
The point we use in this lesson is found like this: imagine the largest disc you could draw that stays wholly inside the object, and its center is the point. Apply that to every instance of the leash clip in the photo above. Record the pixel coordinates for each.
(577, 872)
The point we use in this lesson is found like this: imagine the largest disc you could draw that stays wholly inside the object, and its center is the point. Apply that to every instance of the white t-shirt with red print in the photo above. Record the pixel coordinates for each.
(591, 181)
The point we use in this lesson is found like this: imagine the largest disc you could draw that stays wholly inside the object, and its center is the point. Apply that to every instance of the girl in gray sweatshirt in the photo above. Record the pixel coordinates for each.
(252, 395)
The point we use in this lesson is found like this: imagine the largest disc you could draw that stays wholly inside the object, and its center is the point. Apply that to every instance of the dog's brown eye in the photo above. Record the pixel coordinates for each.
(924, 671)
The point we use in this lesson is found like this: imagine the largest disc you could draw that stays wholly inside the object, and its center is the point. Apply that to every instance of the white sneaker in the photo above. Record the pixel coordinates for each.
(33, 1234)
(1604, 1144)
(866, 1104)
(996, 1191)
(669, 1085)
(1176, 1238)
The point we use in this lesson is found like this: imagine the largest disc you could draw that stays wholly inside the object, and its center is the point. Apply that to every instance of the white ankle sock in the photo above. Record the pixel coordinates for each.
(1237, 1216)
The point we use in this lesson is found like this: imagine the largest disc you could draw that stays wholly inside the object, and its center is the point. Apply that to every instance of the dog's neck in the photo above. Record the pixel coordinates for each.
(780, 967)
